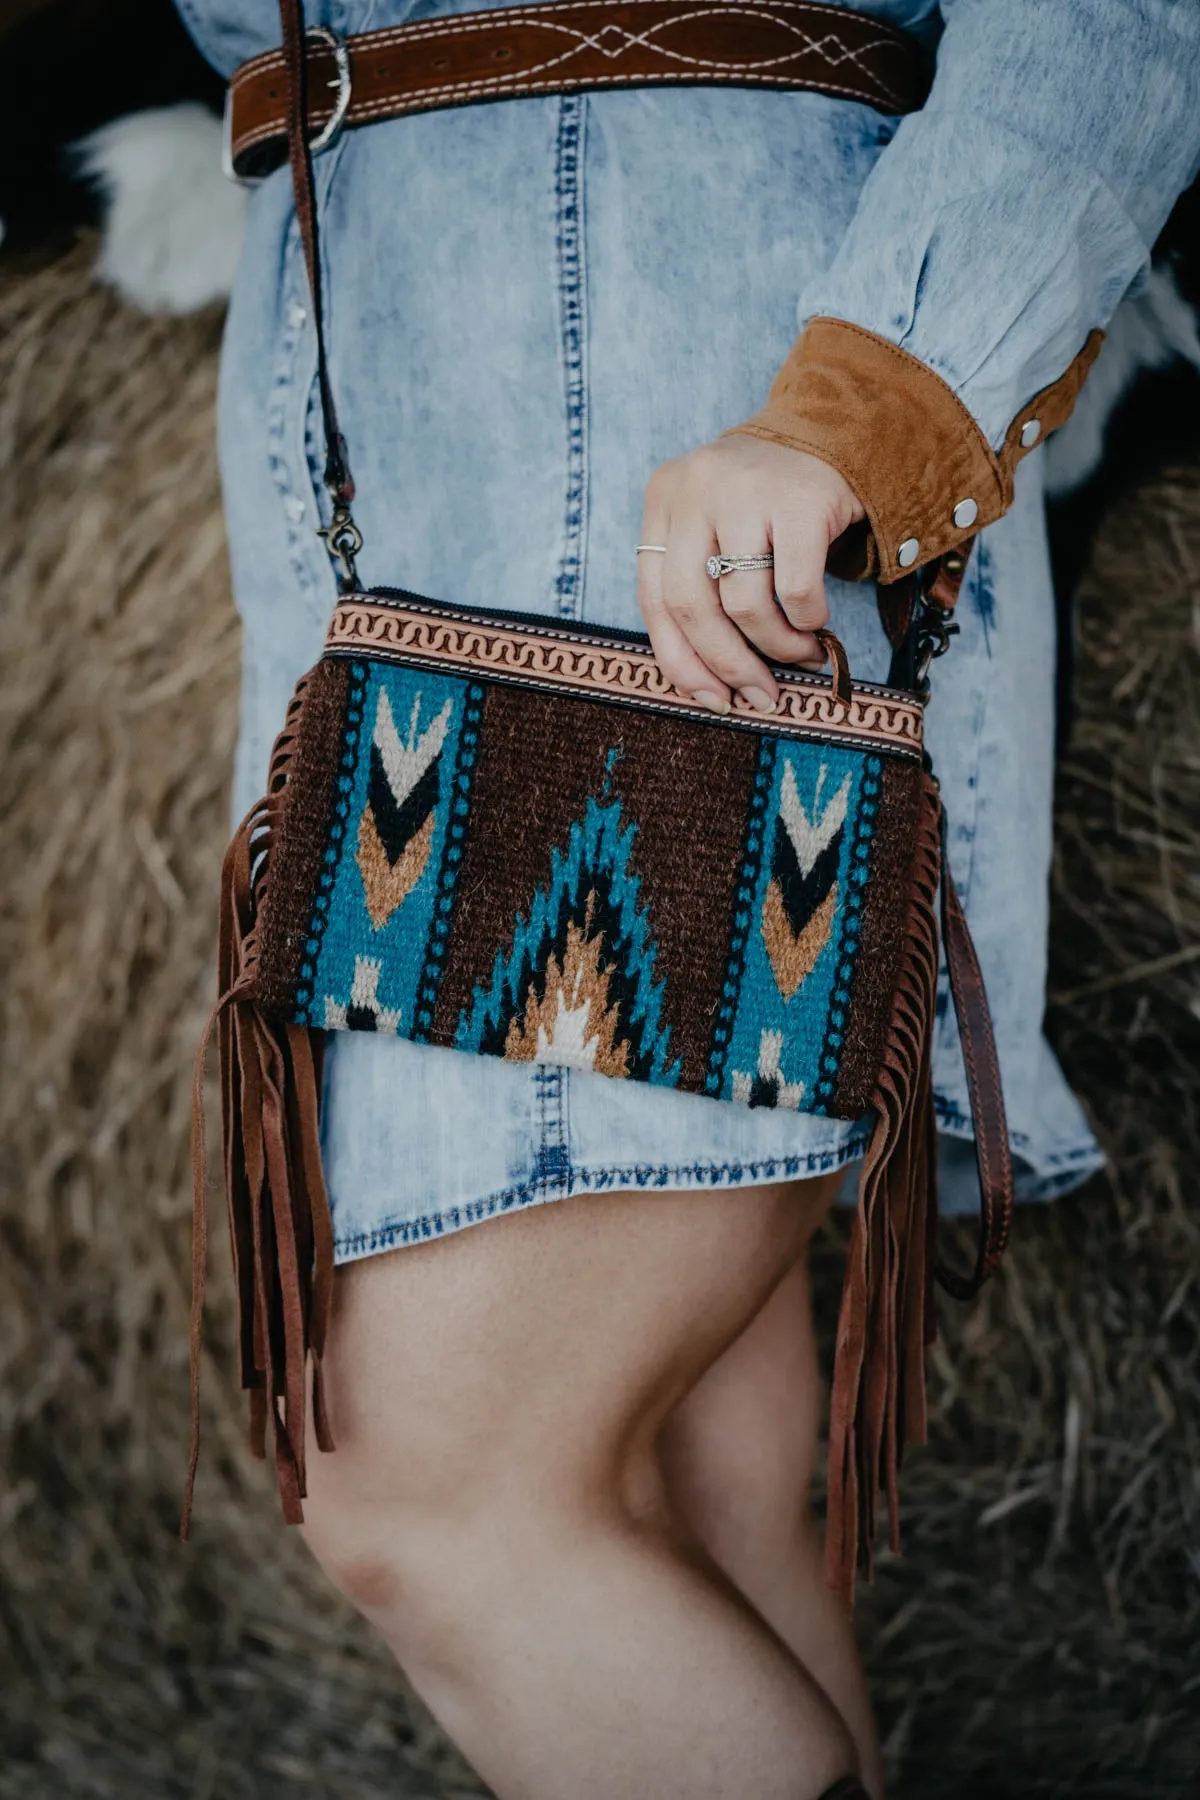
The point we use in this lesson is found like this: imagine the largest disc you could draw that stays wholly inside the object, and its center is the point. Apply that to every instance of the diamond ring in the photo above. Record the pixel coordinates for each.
(716, 566)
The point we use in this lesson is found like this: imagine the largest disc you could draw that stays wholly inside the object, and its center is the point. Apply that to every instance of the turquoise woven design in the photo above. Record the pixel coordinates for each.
(796, 927)
(386, 891)
(586, 961)
(578, 982)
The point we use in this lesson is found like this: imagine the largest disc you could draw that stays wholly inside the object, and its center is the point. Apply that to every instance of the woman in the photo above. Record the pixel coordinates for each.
(574, 1443)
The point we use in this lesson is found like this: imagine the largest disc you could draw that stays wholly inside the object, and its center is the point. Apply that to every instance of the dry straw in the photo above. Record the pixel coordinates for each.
(1040, 1636)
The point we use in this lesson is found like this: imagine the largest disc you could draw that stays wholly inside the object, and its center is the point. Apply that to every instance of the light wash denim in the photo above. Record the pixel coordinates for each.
(530, 305)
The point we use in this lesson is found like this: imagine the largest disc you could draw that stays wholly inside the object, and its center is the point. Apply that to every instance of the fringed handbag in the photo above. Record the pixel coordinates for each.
(741, 907)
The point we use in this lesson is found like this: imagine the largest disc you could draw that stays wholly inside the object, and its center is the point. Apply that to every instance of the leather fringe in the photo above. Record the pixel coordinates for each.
(887, 1319)
(279, 1222)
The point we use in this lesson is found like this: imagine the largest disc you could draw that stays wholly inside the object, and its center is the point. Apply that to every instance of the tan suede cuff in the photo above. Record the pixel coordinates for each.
(903, 440)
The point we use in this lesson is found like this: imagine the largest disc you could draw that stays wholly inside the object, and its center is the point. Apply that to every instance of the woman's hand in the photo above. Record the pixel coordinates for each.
(739, 496)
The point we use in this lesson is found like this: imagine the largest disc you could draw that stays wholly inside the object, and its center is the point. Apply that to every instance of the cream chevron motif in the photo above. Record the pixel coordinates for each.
(362, 1012)
(395, 832)
(802, 894)
(767, 1086)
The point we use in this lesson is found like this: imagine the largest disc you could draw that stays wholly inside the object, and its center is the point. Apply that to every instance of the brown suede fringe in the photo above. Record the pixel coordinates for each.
(282, 1239)
(886, 1320)
(279, 1223)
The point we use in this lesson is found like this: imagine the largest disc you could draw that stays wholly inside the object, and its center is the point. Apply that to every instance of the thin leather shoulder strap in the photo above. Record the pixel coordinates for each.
(337, 471)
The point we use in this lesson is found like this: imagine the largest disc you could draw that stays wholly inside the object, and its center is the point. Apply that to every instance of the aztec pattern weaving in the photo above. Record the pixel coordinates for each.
(474, 864)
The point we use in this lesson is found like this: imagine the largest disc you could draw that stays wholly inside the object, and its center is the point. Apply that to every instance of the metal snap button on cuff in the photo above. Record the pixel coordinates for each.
(906, 555)
(965, 513)
(1031, 431)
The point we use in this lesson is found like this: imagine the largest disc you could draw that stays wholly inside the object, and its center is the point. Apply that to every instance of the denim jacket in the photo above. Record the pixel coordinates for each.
(997, 232)
(1008, 218)
(532, 304)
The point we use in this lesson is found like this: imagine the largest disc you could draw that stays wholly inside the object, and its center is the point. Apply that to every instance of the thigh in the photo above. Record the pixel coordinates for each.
(544, 1346)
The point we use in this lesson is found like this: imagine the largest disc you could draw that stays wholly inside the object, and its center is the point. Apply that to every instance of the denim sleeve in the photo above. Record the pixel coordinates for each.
(1008, 218)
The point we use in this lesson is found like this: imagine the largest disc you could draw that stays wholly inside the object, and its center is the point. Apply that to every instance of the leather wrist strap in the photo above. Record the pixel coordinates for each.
(569, 45)
(992, 1153)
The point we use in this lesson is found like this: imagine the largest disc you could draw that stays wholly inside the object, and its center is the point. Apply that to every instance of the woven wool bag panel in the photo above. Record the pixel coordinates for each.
(466, 861)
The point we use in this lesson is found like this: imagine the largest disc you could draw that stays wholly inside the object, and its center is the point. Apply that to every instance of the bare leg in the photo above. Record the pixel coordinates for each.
(738, 1455)
(496, 1504)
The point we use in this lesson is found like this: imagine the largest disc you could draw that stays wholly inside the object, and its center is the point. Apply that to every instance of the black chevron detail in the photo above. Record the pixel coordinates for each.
(397, 825)
(802, 894)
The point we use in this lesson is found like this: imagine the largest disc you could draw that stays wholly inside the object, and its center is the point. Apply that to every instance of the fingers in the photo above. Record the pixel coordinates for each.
(681, 665)
(709, 636)
(699, 650)
(694, 606)
(799, 572)
(748, 597)
(679, 662)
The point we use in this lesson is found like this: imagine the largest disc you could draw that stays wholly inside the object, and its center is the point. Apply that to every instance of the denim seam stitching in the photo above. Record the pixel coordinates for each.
(942, 1048)
(982, 566)
(550, 1157)
(572, 290)
(561, 1090)
(582, 1179)
(576, 1179)
(982, 590)
(285, 384)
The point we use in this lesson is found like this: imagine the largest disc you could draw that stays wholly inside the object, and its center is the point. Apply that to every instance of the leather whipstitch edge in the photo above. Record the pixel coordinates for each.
(623, 675)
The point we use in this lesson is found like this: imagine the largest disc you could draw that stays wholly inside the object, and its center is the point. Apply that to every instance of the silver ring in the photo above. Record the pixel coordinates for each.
(661, 548)
(716, 566)
(341, 60)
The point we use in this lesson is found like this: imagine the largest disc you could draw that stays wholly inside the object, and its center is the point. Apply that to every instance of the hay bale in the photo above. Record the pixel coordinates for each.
(1038, 1637)
(133, 1666)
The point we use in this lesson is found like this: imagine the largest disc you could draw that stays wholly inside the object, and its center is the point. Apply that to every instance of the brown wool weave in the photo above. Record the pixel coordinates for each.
(297, 851)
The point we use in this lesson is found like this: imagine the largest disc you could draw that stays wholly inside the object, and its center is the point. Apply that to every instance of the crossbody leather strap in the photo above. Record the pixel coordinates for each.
(341, 535)
(568, 45)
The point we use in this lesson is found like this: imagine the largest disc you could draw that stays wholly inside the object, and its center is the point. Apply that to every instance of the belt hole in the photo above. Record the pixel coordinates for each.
(501, 55)
(441, 62)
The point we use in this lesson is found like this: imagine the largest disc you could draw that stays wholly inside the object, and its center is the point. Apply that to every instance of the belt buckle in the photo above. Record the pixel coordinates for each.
(227, 168)
(328, 132)
(344, 85)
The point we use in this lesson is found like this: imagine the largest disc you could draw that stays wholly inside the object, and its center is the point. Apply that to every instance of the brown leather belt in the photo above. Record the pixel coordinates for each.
(569, 45)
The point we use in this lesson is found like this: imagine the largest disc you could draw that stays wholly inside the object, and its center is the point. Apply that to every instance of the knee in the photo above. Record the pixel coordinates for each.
(365, 1559)
(434, 1562)
(388, 1521)
(421, 1578)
